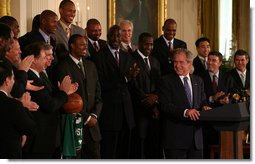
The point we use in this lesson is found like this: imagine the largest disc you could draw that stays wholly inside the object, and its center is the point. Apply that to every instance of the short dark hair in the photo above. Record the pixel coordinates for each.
(112, 30)
(241, 52)
(216, 53)
(170, 21)
(202, 39)
(92, 21)
(5, 71)
(72, 40)
(65, 2)
(35, 49)
(5, 31)
(144, 35)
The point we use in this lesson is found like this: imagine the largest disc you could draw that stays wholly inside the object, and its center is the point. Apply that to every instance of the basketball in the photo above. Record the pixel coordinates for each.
(74, 104)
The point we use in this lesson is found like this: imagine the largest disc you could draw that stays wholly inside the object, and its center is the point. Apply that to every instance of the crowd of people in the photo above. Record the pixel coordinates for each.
(141, 100)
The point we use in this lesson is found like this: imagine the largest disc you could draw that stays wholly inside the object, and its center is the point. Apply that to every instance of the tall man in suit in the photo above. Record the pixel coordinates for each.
(48, 26)
(65, 28)
(84, 72)
(94, 32)
(116, 73)
(127, 27)
(200, 61)
(15, 119)
(165, 44)
(181, 96)
(240, 75)
(43, 144)
(145, 100)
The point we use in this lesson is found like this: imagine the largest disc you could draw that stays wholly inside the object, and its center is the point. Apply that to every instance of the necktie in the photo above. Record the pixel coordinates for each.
(170, 46)
(215, 84)
(146, 60)
(68, 32)
(130, 51)
(48, 41)
(205, 64)
(96, 46)
(80, 64)
(46, 80)
(243, 79)
(116, 56)
(187, 90)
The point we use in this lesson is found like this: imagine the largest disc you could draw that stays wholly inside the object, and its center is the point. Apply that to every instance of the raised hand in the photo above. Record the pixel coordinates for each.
(67, 86)
(26, 63)
(26, 101)
(133, 71)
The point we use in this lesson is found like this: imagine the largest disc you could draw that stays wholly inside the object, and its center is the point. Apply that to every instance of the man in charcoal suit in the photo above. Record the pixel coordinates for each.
(116, 73)
(181, 96)
(146, 135)
(84, 72)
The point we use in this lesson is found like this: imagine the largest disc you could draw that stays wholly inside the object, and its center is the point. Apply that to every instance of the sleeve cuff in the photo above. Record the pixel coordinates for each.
(87, 120)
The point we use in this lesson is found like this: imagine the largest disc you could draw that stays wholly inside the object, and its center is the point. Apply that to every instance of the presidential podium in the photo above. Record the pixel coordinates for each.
(230, 120)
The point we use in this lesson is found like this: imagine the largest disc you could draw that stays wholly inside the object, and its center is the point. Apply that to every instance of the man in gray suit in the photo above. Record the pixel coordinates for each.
(84, 72)
(65, 28)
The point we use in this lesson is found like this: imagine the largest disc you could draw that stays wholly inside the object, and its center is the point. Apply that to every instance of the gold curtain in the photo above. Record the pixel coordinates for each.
(5, 7)
(241, 24)
(208, 25)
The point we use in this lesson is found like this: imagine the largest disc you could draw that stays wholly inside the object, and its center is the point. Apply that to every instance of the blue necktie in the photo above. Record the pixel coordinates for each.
(187, 90)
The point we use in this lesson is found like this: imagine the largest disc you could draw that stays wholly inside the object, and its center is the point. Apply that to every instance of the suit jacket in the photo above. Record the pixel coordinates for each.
(237, 82)
(225, 84)
(89, 88)
(161, 52)
(62, 49)
(35, 36)
(178, 131)
(146, 81)
(117, 102)
(199, 68)
(92, 51)
(47, 117)
(15, 121)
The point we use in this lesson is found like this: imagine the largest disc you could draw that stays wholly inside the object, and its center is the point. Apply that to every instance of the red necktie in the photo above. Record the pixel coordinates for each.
(96, 47)
(214, 83)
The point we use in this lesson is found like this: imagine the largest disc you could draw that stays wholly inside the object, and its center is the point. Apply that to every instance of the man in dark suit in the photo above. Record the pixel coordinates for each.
(43, 144)
(116, 74)
(217, 89)
(65, 28)
(15, 119)
(200, 61)
(48, 25)
(165, 44)
(126, 32)
(94, 32)
(90, 91)
(145, 98)
(240, 75)
(181, 96)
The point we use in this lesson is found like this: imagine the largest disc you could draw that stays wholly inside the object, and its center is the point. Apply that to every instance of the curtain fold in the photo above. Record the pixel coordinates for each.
(5, 7)
(208, 25)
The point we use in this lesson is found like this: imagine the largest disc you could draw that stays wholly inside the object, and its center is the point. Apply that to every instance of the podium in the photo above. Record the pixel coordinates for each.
(229, 120)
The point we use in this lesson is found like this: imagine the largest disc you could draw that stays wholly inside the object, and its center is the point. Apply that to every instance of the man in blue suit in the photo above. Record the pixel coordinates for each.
(181, 96)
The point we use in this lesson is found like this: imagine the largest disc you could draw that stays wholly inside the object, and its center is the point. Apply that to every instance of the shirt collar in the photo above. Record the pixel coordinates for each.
(113, 50)
(167, 41)
(125, 45)
(35, 72)
(4, 92)
(45, 36)
(202, 58)
(92, 41)
(239, 72)
(64, 25)
(141, 54)
(182, 77)
(76, 61)
(217, 74)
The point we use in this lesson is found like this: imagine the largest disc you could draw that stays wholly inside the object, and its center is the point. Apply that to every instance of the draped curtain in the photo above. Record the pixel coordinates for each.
(208, 25)
(5, 7)
(241, 24)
